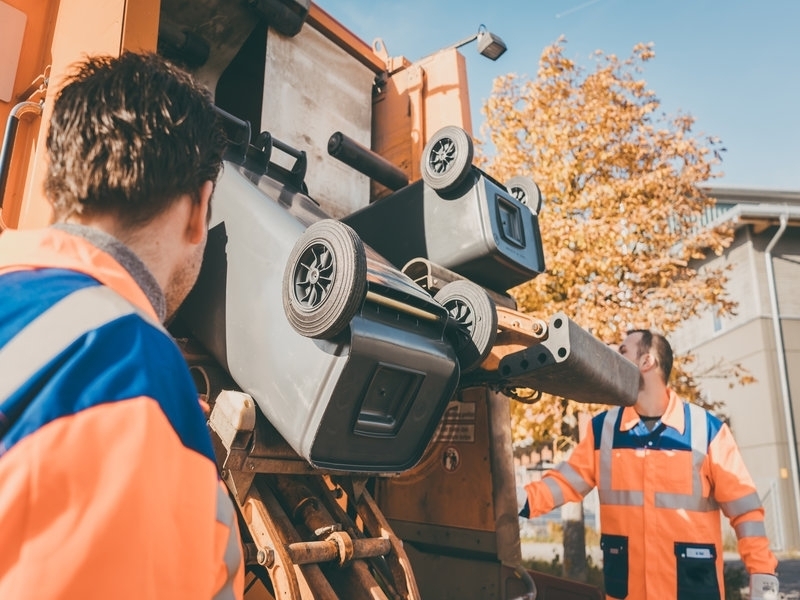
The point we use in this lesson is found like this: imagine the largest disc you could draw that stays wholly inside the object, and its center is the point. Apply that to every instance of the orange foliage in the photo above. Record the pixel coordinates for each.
(622, 211)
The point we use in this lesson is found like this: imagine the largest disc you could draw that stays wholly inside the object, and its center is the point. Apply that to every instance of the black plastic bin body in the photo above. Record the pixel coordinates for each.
(480, 232)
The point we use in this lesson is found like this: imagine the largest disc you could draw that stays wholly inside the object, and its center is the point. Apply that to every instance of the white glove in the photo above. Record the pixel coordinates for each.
(763, 587)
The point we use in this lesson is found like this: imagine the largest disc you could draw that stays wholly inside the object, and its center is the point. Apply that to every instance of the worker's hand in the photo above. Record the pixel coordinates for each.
(204, 405)
(763, 587)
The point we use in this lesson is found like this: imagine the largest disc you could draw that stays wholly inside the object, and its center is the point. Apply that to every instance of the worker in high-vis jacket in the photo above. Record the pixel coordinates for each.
(663, 469)
(108, 483)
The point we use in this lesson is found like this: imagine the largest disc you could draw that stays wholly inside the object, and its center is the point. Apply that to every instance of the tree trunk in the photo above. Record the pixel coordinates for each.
(575, 567)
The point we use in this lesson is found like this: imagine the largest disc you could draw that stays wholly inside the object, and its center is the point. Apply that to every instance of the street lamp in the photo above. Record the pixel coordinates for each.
(489, 44)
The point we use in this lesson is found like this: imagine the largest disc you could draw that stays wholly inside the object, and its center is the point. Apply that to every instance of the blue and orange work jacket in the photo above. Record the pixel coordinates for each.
(108, 484)
(661, 492)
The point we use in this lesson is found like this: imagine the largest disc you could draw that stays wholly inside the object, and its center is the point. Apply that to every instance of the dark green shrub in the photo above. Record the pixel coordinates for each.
(735, 579)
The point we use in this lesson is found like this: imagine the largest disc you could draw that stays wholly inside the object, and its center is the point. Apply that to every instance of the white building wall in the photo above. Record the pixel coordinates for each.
(755, 411)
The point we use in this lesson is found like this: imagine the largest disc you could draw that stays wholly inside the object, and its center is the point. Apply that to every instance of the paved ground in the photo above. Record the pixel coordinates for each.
(788, 574)
(788, 567)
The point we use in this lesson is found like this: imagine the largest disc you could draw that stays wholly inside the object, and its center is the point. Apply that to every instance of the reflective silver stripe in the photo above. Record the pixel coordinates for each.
(606, 494)
(743, 505)
(685, 502)
(606, 446)
(55, 329)
(578, 483)
(555, 489)
(233, 550)
(694, 501)
(621, 497)
(750, 529)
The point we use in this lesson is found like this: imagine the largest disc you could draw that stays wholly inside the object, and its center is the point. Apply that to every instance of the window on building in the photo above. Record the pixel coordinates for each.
(717, 320)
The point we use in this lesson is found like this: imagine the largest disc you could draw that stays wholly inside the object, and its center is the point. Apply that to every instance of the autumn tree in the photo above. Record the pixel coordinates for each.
(623, 208)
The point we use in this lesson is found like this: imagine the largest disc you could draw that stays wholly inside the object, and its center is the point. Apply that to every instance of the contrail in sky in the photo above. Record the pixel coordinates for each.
(576, 8)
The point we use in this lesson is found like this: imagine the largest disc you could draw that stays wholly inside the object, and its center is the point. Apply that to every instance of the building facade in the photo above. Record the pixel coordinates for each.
(763, 336)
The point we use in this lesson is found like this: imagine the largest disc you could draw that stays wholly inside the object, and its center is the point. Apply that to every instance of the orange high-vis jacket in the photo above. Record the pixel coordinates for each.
(661, 493)
(108, 483)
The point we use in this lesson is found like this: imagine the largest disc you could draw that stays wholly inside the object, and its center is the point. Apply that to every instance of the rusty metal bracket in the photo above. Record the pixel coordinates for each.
(398, 560)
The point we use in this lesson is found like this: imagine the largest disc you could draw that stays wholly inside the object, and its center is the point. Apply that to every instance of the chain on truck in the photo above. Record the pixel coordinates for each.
(351, 327)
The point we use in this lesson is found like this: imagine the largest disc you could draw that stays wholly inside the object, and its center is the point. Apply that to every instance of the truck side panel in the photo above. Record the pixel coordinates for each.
(58, 33)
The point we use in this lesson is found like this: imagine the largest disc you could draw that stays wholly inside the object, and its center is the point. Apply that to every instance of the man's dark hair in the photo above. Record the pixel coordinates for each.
(660, 347)
(128, 136)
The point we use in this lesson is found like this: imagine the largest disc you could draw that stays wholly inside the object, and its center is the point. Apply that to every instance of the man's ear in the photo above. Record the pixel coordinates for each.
(648, 362)
(198, 215)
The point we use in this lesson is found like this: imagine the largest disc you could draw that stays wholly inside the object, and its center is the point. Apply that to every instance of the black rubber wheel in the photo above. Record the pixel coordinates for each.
(471, 307)
(447, 159)
(325, 279)
(526, 191)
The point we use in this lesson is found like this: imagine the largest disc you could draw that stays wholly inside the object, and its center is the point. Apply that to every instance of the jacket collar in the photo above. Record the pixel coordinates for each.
(88, 251)
(672, 417)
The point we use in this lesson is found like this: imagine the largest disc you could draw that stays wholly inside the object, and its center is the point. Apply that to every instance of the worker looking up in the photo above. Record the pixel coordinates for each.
(108, 484)
(663, 469)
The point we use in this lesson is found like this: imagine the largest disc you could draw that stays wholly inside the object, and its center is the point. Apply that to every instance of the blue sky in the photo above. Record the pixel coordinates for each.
(732, 64)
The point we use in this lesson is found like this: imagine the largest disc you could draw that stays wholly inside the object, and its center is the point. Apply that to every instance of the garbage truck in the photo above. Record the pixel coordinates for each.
(351, 329)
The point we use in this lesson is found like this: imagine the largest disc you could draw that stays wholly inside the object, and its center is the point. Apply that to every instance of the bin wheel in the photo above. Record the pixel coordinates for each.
(526, 191)
(447, 159)
(325, 280)
(471, 307)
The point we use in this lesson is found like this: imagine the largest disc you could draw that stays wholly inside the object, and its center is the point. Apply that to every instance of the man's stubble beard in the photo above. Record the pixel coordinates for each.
(182, 281)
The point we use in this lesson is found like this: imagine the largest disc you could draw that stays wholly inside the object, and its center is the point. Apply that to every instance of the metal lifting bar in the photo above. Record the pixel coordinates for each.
(21, 109)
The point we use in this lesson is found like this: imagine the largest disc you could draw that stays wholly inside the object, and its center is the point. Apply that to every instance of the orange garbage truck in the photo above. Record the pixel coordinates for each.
(351, 328)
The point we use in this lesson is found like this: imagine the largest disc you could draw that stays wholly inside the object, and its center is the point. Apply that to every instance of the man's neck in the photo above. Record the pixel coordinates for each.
(152, 244)
(652, 401)
(126, 257)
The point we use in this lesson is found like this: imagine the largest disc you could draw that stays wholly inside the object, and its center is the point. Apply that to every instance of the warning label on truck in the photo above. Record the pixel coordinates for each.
(453, 432)
(458, 423)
